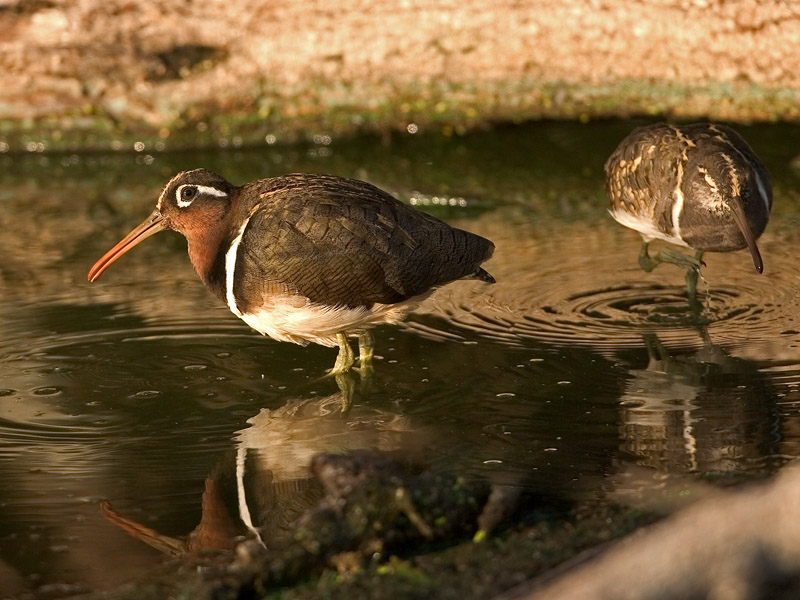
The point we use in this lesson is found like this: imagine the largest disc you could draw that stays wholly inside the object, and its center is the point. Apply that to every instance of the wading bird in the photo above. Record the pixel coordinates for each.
(698, 186)
(310, 258)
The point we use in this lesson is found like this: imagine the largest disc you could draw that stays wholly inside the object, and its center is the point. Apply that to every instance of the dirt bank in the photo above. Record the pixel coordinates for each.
(91, 73)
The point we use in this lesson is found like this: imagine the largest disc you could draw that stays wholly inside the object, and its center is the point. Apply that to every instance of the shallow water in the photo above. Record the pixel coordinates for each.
(140, 403)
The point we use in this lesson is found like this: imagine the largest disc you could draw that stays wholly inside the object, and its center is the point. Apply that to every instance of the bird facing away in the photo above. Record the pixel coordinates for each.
(310, 258)
(698, 186)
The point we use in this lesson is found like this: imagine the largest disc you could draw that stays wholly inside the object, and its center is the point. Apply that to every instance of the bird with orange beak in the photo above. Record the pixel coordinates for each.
(310, 258)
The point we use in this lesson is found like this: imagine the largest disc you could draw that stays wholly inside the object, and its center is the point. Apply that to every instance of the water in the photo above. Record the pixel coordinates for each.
(138, 404)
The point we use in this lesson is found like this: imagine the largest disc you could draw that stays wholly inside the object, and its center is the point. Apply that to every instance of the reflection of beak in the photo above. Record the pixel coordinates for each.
(152, 224)
(747, 233)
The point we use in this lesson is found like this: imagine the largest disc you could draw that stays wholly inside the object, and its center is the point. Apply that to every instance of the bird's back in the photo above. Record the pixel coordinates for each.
(345, 242)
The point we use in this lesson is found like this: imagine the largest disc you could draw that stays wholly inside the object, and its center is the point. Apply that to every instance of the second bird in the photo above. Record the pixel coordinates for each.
(310, 258)
(698, 186)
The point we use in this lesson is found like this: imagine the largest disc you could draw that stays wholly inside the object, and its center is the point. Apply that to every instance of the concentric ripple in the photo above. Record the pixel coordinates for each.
(588, 299)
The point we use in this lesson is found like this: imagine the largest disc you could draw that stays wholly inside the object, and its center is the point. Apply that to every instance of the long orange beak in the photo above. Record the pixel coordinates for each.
(152, 224)
(744, 226)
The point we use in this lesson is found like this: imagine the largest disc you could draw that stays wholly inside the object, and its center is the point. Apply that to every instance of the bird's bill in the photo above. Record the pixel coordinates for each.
(152, 224)
(747, 233)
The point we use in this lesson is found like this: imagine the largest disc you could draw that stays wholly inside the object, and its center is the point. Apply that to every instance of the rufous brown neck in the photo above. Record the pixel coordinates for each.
(205, 245)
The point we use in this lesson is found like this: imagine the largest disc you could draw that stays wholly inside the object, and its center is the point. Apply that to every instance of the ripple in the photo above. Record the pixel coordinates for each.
(584, 298)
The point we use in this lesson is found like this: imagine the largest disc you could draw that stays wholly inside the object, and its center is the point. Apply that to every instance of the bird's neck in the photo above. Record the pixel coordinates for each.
(205, 250)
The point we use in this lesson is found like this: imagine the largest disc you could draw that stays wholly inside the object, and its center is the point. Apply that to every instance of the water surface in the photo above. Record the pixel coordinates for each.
(140, 404)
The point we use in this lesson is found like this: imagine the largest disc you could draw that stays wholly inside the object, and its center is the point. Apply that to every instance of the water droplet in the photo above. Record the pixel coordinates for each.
(195, 367)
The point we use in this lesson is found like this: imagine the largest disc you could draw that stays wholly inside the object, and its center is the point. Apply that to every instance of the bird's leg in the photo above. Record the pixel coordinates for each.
(646, 262)
(366, 349)
(692, 273)
(668, 255)
(345, 358)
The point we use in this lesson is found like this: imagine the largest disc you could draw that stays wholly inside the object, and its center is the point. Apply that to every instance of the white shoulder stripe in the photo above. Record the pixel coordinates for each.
(230, 268)
(677, 205)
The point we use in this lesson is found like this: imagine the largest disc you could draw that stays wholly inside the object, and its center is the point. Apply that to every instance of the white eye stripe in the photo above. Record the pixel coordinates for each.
(201, 189)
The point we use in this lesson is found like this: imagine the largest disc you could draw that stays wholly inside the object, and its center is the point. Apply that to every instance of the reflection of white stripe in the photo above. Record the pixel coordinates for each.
(230, 268)
(244, 510)
(201, 189)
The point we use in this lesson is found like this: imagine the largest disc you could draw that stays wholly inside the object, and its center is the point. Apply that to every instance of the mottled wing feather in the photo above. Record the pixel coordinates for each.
(344, 242)
(642, 174)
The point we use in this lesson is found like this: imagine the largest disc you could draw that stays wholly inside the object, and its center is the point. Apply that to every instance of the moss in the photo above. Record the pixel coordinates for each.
(322, 107)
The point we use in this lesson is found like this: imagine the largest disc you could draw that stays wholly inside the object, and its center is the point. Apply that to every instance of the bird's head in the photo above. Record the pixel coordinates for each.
(194, 203)
(722, 182)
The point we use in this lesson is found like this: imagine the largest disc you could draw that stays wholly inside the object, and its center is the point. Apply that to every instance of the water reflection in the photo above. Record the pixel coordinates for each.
(145, 392)
(699, 412)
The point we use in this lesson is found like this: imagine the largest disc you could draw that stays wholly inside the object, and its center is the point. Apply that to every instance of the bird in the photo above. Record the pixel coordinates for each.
(308, 257)
(699, 186)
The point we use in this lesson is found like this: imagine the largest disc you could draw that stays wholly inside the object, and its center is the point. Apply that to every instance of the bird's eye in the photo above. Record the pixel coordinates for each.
(188, 193)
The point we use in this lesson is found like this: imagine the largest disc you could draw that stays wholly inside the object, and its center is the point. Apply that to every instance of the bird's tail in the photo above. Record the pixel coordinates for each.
(482, 275)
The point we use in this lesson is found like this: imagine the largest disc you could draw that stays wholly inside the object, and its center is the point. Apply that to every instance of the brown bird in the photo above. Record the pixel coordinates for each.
(698, 186)
(310, 258)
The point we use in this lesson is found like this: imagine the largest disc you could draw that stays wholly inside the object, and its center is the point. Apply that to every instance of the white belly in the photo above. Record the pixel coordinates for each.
(647, 227)
(297, 320)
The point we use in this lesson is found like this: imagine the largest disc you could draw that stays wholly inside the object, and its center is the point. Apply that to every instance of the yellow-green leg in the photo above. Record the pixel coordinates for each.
(366, 349)
(668, 255)
(692, 265)
(345, 358)
(366, 352)
(692, 273)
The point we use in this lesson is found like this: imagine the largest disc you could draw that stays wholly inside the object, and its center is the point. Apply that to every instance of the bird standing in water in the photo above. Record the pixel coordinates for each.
(310, 258)
(698, 186)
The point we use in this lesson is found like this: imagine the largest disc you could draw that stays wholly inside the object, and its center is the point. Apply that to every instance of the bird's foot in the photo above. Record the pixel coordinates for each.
(690, 263)
(668, 255)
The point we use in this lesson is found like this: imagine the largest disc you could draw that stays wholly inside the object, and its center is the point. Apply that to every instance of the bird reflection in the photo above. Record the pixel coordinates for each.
(703, 412)
(217, 530)
(262, 487)
(273, 455)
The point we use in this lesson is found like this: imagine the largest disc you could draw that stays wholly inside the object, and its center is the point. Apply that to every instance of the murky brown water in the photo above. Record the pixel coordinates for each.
(576, 374)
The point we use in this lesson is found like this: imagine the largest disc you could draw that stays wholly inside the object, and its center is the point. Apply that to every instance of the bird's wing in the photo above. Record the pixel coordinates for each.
(345, 242)
(643, 171)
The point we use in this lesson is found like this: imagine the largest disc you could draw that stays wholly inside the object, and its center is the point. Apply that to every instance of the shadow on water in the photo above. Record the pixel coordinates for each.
(576, 375)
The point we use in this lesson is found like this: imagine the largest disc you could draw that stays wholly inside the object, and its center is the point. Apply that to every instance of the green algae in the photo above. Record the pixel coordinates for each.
(267, 115)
